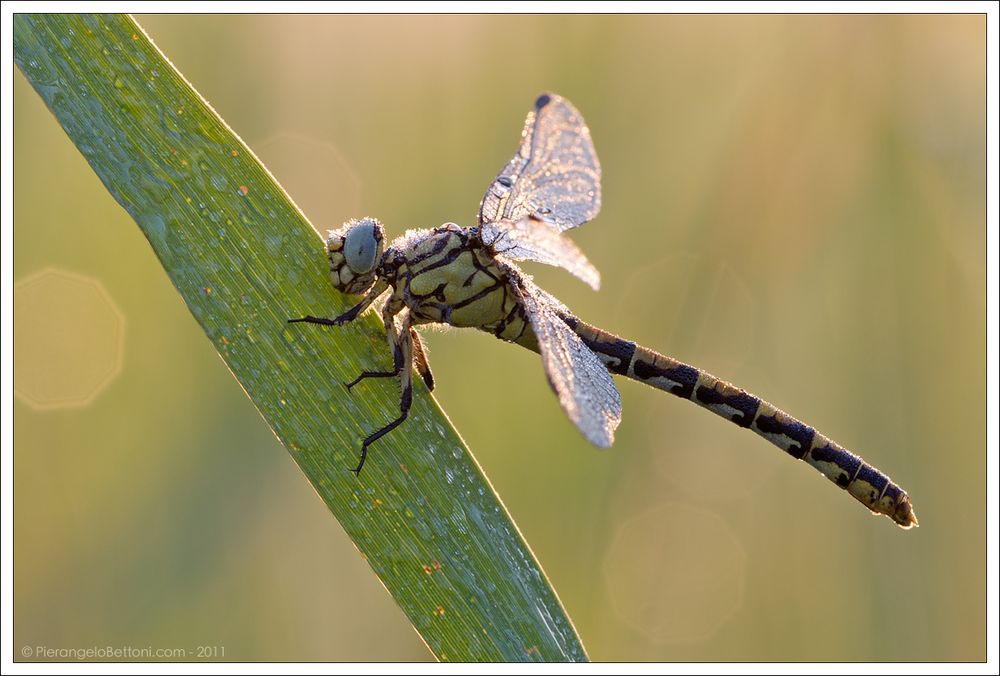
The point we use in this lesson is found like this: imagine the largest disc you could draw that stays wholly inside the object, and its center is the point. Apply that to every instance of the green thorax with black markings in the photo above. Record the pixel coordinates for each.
(446, 275)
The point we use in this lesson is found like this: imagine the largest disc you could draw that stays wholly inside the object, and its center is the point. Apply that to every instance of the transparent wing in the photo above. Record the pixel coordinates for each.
(554, 175)
(532, 240)
(582, 382)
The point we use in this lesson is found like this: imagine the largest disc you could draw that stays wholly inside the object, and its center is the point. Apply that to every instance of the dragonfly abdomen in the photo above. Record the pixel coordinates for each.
(868, 485)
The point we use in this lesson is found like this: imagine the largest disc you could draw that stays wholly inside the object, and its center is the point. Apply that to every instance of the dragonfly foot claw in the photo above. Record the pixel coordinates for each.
(361, 463)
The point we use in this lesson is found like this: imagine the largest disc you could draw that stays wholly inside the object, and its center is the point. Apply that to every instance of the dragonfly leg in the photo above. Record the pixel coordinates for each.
(419, 363)
(420, 360)
(370, 374)
(378, 434)
(401, 343)
(389, 311)
(351, 314)
(348, 316)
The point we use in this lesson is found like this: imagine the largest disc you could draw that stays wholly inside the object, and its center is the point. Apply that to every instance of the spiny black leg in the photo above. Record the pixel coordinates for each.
(397, 359)
(351, 314)
(404, 410)
(314, 320)
(375, 436)
(370, 374)
(348, 316)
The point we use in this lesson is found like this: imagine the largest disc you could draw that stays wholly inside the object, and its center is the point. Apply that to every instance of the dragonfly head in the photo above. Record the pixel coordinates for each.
(354, 251)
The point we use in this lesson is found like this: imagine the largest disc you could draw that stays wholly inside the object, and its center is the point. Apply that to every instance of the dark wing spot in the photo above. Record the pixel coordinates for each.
(542, 101)
(504, 181)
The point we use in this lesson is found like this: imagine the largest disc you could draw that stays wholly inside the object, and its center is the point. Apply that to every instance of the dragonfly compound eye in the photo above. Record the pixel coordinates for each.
(363, 245)
(354, 251)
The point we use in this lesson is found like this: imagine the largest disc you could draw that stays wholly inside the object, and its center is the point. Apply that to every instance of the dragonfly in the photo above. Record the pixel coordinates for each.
(468, 277)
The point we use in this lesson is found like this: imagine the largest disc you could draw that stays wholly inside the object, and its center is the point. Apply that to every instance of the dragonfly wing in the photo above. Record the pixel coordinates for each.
(555, 174)
(532, 240)
(582, 382)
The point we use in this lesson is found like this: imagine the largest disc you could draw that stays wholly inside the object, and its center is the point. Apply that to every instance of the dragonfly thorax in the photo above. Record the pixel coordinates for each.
(354, 251)
(447, 276)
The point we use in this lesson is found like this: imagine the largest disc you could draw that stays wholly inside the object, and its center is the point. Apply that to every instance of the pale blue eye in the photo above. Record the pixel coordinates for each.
(361, 247)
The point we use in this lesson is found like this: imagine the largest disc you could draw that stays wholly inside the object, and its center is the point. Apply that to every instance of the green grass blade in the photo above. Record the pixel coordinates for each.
(245, 259)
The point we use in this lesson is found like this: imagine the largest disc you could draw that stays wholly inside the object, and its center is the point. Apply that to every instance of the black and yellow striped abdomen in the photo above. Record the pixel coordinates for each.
(872, 488)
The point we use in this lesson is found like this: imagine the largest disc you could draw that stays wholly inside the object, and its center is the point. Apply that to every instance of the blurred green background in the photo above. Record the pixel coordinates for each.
(796, 204)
